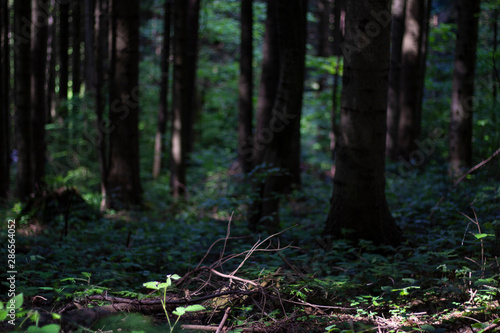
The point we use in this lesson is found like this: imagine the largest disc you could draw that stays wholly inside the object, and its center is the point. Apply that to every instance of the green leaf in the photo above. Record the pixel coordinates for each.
(427, 328)
(3, 314)
(480, 236)
(155, 285)
(479, 325)
(194, 308)
(18, 301)
(51, 328)
(179, 311)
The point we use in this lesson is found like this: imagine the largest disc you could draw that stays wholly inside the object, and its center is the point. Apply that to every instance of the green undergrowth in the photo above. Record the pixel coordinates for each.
(446, 271)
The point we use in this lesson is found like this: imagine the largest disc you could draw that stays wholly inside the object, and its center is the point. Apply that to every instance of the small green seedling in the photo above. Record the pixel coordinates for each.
(179, 311)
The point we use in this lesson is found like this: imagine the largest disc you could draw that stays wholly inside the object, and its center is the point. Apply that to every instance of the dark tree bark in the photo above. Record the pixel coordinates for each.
(63, 59)
(339, 8)
(89, 45)
(101, 57)
(4, 101)
(51, 64)
(186, 14)
(22, 99)
(393, 107)
(269, 81)
(178, 152)
(358, 203)
(462, 98)
(282, 147)
(193, 14)
(163, 105)
(77, 39)
(245, 106)
(123, 182)
(38, 94)
(410, 78)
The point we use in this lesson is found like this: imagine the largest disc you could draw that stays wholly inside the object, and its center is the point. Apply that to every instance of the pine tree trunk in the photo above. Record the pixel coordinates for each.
(358, 208)
(22, 99)
(393, 109)
(38, 93)
(63, 60)
(123, 182)
(282, 149)
(245, 106)
(163, 104)
(75, 64)
(462, 98)
(178, 153)
(410, 76)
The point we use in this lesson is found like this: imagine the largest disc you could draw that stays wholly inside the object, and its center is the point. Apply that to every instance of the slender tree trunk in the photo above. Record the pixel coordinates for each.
(192, 28)
(424, 44)
(462, 98)
(339, 8)
(282, 149)
(51, 64)
(75, 63)
(245, 109)
(22, 99)
(495, 73)
(358, 208)
(38, 95)
(163, 105)
(324, 28)
(269, 81)
(63, 59)
(123, 182)
(178, 149)
(101, 56)
(393, 108)
(4, 101)
(410, 73)
(89, 45)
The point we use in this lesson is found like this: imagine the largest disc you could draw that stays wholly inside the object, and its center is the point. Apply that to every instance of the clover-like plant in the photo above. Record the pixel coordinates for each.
(179, 311)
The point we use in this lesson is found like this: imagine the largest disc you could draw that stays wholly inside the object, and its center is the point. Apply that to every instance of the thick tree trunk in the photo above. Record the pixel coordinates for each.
(245, 106)
(4, 101)
(410, 78)
(339, 7)
(462, 98)
(358, 205)
(393, 107)
(123, 182)
(38, 94)
(22, 99)
(163, 104)
(282, 149)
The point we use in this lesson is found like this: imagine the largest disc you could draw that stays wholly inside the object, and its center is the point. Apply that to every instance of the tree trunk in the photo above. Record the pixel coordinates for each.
(163, 105)
(4, 101)
(101, 57)
(22, 99)
(339, 7)
(462, 98)
(63, 60)
(245, 106)
(89, 45)
(38, 96)
(178, 148)
(393, 107)
(324, 47)
(358, 207)
(268, 83)
(51, 64)
(192, 28)
(123, 182)
(410, 76)
(282, 149)
(75, 64)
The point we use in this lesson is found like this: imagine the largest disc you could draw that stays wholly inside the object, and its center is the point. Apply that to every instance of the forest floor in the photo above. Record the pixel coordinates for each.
(84, 265)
